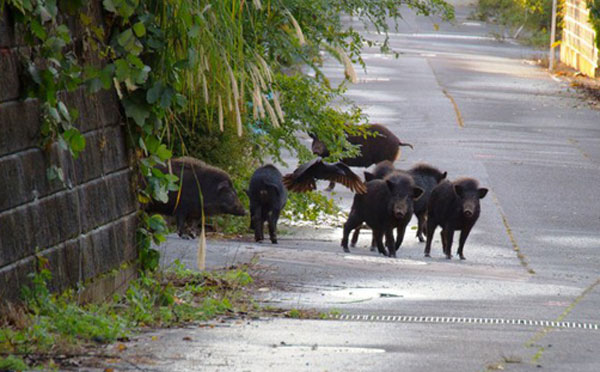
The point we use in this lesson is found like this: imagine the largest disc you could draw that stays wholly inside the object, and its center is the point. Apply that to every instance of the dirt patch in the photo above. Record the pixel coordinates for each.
(588, 88)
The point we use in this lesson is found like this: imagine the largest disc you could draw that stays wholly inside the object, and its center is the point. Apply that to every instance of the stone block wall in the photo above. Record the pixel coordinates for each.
(85, 226)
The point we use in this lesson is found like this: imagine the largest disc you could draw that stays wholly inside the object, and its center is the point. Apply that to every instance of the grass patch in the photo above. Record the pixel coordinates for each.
(47, 326)
(47, 330)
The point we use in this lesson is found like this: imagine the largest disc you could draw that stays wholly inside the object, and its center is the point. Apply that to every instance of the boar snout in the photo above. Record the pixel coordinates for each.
(469, 209)
(238, 210)
(400, 209)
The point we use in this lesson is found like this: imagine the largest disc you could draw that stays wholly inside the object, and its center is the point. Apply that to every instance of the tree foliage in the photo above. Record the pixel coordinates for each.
(190, 69)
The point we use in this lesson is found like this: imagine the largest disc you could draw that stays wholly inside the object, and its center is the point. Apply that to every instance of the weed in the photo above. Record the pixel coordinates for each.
(54, 324)
(12, 363)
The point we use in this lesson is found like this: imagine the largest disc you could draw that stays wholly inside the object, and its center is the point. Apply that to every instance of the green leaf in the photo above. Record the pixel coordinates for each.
(122, 70)
(163, 153)
(152, 144)
(165, 98)
(53, 112)
(94, 85)
(153, 94)
(126, 38)
(64, 111)
(110, 6)
(38, 30)
(137, 112)
(54, 172)
(139, 29)
(75, 140)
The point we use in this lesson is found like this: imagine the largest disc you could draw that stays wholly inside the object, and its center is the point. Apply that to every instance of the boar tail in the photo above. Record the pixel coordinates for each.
(400, 143)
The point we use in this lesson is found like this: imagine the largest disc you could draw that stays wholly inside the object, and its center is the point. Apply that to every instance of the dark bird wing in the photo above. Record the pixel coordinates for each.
(303, 178)
(346, 177)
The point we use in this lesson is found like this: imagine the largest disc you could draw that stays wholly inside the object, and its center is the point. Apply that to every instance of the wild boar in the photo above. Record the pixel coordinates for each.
(453, 206)
(267, 198)
(386, 205)
(216, 193)
(406, 193)
(380, 145)
(426, 177)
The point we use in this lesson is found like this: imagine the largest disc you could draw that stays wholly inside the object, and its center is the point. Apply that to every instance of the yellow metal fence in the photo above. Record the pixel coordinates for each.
(578, 48)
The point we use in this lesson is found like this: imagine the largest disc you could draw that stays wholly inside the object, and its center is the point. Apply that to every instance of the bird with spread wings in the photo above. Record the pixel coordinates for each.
(304, 177)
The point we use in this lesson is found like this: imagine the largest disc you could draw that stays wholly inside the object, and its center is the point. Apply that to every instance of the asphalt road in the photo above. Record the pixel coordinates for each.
(474, 106)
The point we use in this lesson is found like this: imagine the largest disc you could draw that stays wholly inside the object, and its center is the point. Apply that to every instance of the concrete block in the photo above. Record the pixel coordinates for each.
(19, 125)
(6, 30)
(9, 78)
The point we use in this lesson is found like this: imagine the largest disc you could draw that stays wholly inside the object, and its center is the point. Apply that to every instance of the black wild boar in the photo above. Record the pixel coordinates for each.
(267, 198)
(374, 148)
(216, 188)
(386, 205)
(406, 193)
(426, 177)
(453, 206)
(382, 169)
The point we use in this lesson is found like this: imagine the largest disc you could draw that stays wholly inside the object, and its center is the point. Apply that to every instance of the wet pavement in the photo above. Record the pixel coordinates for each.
(473, 106)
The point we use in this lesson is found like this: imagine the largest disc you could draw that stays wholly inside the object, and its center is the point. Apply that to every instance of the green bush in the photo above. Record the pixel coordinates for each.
(533, 16)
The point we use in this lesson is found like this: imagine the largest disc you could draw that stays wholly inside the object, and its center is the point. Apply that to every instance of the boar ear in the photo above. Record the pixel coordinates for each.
(417, 193)
(273, 187)
(459, 191)
(312, 135)
(369, 176)
(482, 192)
(390, 185)
(444, 175)
(222, 185)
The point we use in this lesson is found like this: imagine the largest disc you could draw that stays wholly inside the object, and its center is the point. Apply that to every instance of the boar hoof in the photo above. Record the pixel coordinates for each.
(346, 250)
(427, 255)
(448, 256)
(372, 249)
(274, 241)
(421, 240)
(462, 257)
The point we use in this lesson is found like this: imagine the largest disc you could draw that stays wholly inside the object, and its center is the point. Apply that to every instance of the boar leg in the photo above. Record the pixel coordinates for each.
(331, 186)
(400, 230)
(353, 222)
(449, 233)
(181, 226)
(389, 242)
(464, 233)
(379, 239)
(257, 221)
(273, 226)
(430, 230)
(355, 237)
(421, 217)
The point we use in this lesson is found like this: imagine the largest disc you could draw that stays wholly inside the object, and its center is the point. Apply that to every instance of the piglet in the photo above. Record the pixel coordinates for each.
(453, 206)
